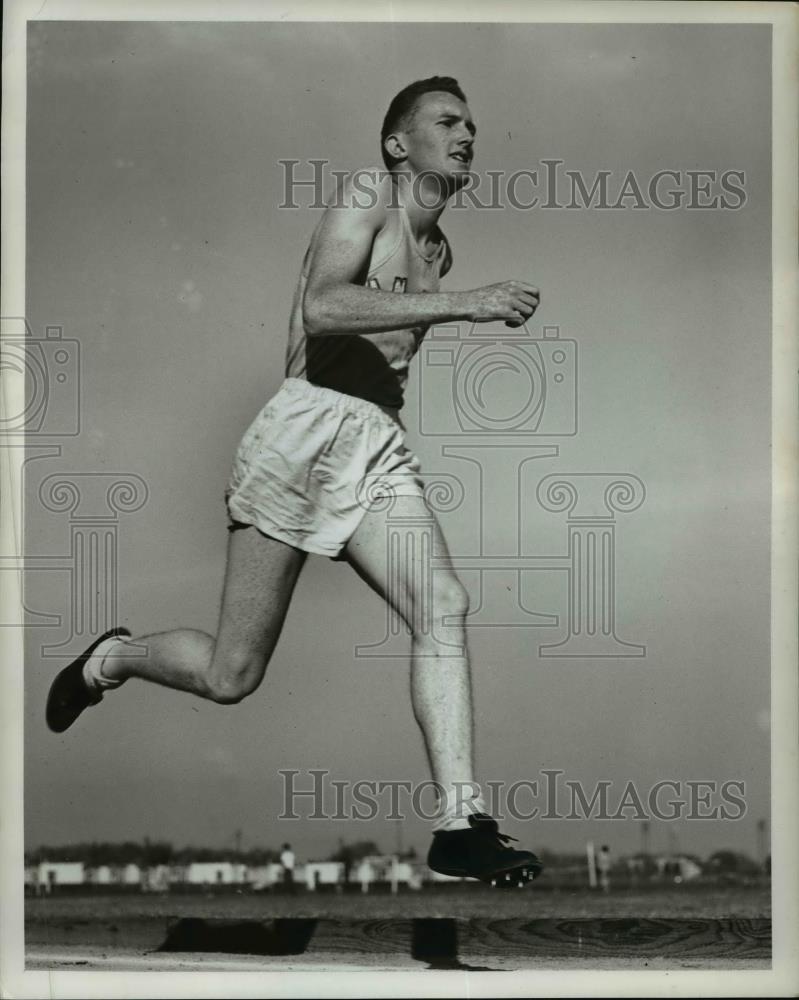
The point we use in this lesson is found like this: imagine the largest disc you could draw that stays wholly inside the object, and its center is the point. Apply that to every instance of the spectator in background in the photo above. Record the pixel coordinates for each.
(287, 861)
(603, 867)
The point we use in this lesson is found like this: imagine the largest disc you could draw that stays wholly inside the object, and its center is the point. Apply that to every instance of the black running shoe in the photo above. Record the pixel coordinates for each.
(69, 692)
(480, 852)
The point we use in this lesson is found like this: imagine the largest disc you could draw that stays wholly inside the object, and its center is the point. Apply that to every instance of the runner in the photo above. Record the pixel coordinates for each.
(310, 469)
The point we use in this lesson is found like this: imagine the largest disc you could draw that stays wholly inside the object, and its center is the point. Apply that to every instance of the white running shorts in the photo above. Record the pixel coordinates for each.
(313, 462)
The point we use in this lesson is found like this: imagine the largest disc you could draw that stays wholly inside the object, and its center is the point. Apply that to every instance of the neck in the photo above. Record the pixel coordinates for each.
(422, 200)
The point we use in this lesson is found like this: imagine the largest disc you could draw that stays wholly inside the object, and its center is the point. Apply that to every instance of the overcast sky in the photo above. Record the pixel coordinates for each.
(155, 239)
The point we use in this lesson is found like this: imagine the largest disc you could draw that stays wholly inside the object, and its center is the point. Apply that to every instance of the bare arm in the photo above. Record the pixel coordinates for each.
(335, 303)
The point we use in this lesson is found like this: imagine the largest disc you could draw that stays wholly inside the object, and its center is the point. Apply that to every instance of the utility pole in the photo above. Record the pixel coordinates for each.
(762, 842)
(645, 837)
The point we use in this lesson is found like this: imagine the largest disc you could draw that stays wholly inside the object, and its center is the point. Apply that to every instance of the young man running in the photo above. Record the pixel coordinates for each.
(330, 441)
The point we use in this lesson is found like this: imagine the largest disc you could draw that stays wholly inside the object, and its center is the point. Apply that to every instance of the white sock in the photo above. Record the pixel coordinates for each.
(93, 667)
(457, 802)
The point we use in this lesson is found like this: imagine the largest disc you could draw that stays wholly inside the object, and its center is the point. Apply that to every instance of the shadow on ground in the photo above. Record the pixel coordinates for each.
(434, 941)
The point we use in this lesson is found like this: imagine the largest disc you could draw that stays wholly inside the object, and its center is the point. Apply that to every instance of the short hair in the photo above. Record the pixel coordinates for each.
(404, 104)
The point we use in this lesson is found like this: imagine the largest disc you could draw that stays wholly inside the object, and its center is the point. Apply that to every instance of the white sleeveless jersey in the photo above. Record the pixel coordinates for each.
(372, 366)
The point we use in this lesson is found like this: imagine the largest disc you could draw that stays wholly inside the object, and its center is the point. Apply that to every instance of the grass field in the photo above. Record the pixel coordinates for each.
(686, 901)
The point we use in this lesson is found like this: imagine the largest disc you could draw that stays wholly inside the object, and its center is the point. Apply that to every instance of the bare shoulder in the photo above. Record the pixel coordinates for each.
(355, 214)
(366, 190)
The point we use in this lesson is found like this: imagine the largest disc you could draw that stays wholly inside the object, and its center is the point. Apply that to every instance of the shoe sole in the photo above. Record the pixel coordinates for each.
(515, 874)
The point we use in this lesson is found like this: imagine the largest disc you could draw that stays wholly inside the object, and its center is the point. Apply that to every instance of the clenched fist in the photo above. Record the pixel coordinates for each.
(511, 301)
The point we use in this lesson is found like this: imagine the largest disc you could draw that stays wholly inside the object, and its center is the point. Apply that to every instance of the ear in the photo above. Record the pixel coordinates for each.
(395, 147)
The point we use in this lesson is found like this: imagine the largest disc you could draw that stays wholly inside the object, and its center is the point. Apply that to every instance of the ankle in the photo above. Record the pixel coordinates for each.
(105, 667)
(112, 666)
(457, 802)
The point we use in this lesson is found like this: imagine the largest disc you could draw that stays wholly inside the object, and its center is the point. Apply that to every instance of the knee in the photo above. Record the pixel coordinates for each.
(227, 692)
(234, 679)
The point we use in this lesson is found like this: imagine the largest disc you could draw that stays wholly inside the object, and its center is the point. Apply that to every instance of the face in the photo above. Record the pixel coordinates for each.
(439, 139)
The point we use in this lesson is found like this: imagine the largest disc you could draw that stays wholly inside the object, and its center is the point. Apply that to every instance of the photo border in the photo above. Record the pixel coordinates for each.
(783, 978)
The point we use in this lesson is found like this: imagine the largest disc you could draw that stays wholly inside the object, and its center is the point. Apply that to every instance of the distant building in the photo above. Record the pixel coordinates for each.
(215, 873)
(100, 875)
(50, 874)
(129, 874)
(323, 873)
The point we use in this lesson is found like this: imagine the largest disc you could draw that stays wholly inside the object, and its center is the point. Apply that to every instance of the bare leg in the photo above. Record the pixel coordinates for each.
(259, 580)
(466, 841)
(441, 689)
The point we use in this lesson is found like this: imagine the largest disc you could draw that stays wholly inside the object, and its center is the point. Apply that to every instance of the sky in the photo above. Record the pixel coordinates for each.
(156, 242)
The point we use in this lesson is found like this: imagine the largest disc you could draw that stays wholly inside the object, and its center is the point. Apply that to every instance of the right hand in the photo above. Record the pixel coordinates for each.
(511, 301)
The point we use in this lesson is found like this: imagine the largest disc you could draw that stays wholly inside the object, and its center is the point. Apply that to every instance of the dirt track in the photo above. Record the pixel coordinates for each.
(84, 959)
(467, 931)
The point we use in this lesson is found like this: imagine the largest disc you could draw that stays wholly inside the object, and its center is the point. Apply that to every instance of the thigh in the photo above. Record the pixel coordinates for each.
(392, 551)
(260, 577)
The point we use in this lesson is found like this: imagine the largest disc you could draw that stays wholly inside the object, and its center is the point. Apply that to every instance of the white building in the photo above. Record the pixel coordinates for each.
(53, 873)
(215, 873)
(100, 875)
(323, 873)
(129, 874)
